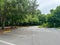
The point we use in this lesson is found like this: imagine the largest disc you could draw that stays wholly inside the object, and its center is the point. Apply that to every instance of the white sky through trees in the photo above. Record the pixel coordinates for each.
(46, 5)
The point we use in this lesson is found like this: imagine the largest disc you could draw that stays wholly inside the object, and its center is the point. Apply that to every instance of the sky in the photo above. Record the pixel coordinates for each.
(46, 5)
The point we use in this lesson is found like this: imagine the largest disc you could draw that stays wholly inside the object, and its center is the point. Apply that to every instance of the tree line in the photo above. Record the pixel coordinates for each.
(25, 13)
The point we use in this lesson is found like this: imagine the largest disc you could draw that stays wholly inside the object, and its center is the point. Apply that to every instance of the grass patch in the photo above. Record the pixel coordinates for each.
(45, 25)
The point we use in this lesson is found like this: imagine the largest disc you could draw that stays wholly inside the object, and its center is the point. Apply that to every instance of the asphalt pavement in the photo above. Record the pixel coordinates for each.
(31, 35)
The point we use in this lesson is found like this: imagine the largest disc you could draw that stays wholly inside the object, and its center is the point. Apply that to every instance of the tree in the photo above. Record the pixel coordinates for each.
(54, 18)
(3, 12)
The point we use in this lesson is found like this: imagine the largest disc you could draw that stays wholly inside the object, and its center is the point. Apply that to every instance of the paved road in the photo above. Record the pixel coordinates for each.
(31, 36)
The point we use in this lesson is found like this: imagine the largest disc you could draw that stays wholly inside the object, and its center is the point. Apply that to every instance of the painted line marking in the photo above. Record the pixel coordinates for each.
(6, 42)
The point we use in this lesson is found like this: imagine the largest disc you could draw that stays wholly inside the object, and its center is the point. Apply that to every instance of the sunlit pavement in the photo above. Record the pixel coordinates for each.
(31, 36)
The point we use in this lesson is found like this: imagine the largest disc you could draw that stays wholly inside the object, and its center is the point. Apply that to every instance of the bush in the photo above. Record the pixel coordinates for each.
(45, 25)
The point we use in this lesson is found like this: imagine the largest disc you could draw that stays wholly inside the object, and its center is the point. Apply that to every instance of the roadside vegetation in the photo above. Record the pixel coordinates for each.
(25, 13)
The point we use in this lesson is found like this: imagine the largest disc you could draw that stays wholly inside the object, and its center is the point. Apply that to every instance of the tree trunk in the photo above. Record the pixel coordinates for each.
(3, 22)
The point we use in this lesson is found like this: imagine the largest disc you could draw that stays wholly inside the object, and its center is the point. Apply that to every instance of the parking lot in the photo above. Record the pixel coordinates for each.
(31, 36)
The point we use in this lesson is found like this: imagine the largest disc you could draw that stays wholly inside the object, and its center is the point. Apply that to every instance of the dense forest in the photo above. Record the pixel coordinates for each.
(25, 13)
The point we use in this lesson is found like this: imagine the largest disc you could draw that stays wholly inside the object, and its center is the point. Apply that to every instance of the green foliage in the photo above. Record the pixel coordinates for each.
(18, 12)
(45, 25)
(54, 18)
(25, 12)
